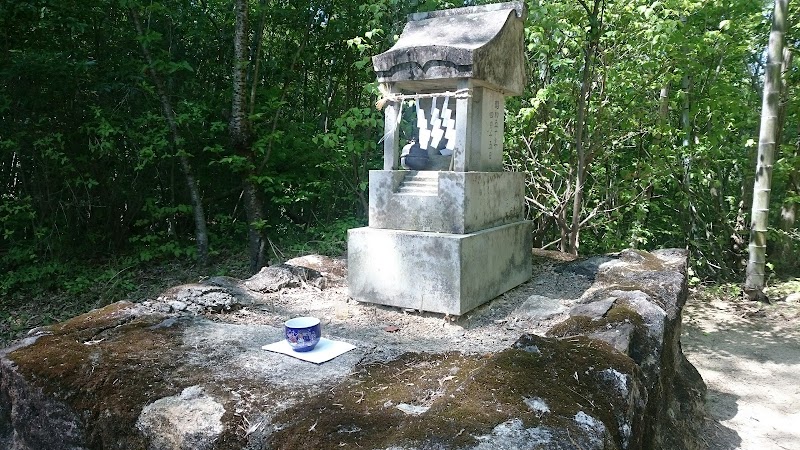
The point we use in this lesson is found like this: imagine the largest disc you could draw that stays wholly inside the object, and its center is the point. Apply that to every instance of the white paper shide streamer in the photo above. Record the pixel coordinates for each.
(436, 125)
(422, 124)
(441, 125)
(449, 125)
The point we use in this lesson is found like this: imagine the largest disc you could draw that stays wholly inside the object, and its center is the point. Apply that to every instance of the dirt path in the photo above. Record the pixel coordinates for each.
(749, 356)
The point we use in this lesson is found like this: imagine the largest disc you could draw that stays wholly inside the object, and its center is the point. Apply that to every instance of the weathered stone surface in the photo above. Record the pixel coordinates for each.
(437, 272)
(437, 48)
(225, 294)
(275, 278)
(199, 298)
(635, 306)
(587, 267)
(134, 377)
(661, 274)
(539, 307)
(127, 377)
(589, 398)
(463, 202)
(595, 310)
(189, 421)
(325, 265)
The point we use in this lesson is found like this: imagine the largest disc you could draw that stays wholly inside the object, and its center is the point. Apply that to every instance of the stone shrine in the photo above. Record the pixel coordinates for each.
(451, 235)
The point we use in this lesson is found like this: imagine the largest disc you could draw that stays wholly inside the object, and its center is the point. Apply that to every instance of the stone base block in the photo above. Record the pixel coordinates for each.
(457, 202)
(437, 272)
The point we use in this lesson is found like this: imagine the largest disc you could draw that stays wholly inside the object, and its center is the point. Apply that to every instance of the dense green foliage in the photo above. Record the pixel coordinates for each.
(91, 173)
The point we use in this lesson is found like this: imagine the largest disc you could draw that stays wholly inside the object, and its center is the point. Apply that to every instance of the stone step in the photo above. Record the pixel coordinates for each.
(417, 191)
(420, 183)
(422, 192)
(423, 174)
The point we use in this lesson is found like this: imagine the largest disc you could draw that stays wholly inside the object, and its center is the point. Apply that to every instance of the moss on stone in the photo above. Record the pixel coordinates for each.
(106, 364)
(573, 326)
(619, 313)
(468, 397)
(640, 260)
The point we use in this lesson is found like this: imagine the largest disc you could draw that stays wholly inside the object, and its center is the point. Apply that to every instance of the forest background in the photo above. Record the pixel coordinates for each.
(140, 140)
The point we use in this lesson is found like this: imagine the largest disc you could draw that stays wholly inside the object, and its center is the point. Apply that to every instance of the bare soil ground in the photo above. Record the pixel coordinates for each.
(749, 356)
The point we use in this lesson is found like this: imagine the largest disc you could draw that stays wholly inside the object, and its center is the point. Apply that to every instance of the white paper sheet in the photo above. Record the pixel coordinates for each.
(449, 125)
(446, 108)
(450, 135)
(424, 133)
(422, 122)
(424, 138)
(324, 351)
(436, 137)
(436, 119)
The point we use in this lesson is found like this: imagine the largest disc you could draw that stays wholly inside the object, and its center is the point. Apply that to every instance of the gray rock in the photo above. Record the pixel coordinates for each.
(537, 405)
(189, 421)
(128, 376)
(275, 278)
(618, 337)
(513, 434)
(644, 322)
(539, 307)
(595, 309)
(595, 429)
(587, 268)
(177, 305)
(325, 265)
(663, 279)
(201, 298)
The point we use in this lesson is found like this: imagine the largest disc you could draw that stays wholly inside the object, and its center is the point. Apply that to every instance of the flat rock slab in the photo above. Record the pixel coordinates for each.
(151, 376)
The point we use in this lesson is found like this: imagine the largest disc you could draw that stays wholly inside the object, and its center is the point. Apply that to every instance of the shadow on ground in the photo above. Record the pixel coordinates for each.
(720, 437)
(749, 355)
(763, 334)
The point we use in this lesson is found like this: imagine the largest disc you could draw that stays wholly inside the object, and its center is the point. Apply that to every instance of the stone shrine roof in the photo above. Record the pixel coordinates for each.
(437, 48)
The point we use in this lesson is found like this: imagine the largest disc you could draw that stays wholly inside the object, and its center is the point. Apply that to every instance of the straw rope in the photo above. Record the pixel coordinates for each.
(388, 97)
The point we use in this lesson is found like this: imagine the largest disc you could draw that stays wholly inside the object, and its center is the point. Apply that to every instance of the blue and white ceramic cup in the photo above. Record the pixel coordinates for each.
(302, 333)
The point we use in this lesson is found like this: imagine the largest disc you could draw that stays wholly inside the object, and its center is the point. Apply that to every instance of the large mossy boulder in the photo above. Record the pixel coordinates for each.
(540, 393)
(635, 305)
(153, 375)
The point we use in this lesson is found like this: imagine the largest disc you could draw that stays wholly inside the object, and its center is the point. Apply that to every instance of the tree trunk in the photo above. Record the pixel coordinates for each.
(255, 54)
(580, 176)
(789, 207)
(201, 233)
(690, 230)
(593, 40)
(786, 66)
(755, 278)
(663, 105)
(241, 140)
